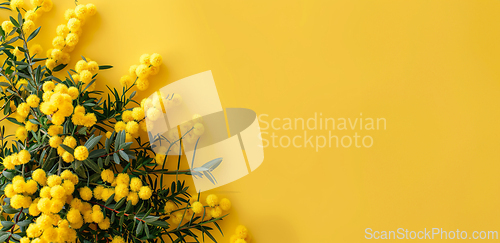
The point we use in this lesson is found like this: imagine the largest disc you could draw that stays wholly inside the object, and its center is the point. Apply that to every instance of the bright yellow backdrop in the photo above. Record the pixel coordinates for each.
(429, 67)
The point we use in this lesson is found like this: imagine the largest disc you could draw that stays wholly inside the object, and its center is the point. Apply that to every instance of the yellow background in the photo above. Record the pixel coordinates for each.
(429, 67)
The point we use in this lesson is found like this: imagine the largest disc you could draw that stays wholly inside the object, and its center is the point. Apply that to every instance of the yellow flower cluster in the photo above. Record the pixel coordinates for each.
(55, 193)
(68, 34)
(83, 119)
(39, 6)
(131, 122)
(214, 208)
(57, 101)
(149, 66)
(20, 158)
(122, 186)
(85, 71)
(241, 235)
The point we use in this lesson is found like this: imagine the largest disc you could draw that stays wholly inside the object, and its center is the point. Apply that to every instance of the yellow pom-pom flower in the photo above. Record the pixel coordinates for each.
(241, 231)
(74, 24)
(81, 153)
(39, 176)
(54, 180)
(126, 81)
(68, 157)
(142, 71)
(21, 133)
(104, 225)
(58, 42)
(28, 26)
(23, 156)
(55, 141)
(145, 193)
(155, 59)
(135, 184)
(127, 116)
(132, 127)
(23, 110)
(153, 114)
(118, 239)
(144, 59)
(197, 207)
(97, 215)
(212, 200)
(7, 26)
(48, 86)
(142, 84)
(16, 4)
(138, 113)
(31, 127)
(119, 126)
(85, 193)
(225, 204)
(122, 178)
(33, 101)
(91, 9)
(107, 175)
(216, 212)
(133, 197)
(70, 141)
(72, 39)
(93, 66)
(54, 130)
(73, 92)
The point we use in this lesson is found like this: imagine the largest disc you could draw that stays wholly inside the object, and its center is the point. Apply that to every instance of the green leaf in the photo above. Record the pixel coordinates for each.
(7, 224)
(107, 160)
(104, 67)
(59, 67)
(16, 236)
(125, 145)
(14, 21)
(146, 230)
(34, 121)
(91, 164)
(129, 206)
(34, 33)
(212, 164)
(110, 200)
(150, 219)
(97, 153)
(116, 158)
(65, 147)
(82, 131)
(4, 237)
(120, 203)
(24, 223)
(13, 120)
(100, 162)
(8, 174)
(139, 228)
(124, 155)
(10, 210)
(91, 143)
